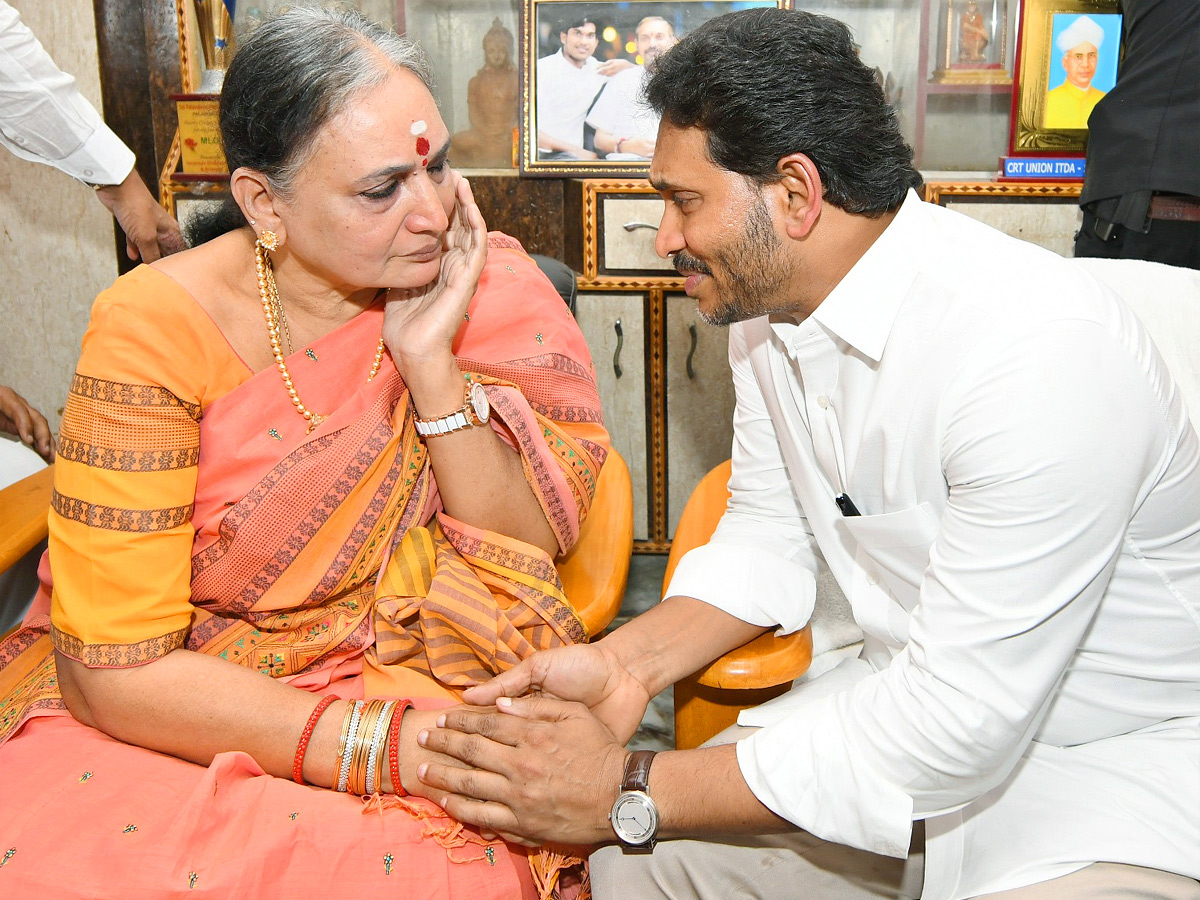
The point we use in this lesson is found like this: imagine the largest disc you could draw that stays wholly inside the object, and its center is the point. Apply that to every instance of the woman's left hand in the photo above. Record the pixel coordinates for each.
(419, 324)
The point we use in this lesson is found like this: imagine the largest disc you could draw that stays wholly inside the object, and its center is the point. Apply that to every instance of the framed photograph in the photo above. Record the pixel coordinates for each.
(974, 43)
(583, 64)
(1067, 54)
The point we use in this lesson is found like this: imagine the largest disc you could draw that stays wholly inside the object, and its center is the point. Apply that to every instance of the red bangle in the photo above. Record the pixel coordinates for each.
(394, 746)
(305, 737)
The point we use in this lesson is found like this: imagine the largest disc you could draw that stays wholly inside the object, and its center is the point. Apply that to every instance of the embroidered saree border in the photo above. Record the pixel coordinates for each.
(116, 656)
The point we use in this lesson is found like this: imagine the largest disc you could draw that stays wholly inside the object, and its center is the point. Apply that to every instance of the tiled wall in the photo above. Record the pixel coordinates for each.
(56, 240)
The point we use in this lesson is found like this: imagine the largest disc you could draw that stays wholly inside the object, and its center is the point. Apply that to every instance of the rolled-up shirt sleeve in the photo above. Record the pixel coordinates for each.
(761, 563)
(44, 118)
(1041, 491)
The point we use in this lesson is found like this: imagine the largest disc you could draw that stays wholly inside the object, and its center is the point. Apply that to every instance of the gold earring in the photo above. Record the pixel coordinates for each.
(269, 240)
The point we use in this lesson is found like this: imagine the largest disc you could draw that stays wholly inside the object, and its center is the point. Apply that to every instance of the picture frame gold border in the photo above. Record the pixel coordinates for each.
(1032, 79)
(528, 163)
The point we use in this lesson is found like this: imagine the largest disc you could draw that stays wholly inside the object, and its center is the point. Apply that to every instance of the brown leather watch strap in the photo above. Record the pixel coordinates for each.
(637, 771)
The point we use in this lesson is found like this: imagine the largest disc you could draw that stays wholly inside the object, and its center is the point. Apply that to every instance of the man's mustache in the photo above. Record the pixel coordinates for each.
(684, 262)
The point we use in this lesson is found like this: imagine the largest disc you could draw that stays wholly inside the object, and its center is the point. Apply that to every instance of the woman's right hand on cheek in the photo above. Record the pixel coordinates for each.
(420, 324)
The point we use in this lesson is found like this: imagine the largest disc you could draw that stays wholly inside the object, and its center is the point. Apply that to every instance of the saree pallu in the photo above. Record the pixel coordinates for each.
(193, 509)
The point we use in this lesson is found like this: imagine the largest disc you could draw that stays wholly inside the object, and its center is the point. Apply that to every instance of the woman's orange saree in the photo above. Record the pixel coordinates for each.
(192, 509)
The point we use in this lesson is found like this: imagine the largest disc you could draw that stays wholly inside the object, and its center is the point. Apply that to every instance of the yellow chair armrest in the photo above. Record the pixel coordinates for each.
(594, 572)
(24, 507)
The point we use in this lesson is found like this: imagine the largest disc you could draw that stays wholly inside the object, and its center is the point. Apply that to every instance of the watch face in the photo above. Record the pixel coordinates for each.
(635, 818)
(479, 402)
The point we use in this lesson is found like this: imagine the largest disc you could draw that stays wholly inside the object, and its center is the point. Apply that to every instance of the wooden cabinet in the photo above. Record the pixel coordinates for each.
(663, 373)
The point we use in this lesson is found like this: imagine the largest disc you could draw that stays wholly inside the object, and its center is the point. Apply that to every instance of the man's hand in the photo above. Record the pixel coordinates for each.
(149, 232)
(613, 66)
(586, 673)
(19, 418)
(541, 770)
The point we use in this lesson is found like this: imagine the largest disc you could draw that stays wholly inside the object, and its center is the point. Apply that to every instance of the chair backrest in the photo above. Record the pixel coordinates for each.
(595, 571)
(700, 516)
(1167, 301)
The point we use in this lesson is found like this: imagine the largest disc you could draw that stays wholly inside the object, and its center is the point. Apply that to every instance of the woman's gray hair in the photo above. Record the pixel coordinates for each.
(296, 71)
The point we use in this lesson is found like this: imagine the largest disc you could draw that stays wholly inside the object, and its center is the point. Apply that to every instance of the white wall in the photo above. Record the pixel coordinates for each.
(56, 240)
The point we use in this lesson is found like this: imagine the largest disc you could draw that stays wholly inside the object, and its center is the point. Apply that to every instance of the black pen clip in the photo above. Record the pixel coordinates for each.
(846, 505)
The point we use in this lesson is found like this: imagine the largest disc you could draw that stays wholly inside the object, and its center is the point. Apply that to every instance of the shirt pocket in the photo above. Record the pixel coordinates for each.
(892, 552)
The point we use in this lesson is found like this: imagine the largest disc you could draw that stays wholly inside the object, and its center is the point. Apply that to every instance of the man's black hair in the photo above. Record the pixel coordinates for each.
(576, 22)
(765, 83)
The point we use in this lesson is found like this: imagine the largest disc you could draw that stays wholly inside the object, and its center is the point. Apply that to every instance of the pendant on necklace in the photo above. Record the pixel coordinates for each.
(314, 422)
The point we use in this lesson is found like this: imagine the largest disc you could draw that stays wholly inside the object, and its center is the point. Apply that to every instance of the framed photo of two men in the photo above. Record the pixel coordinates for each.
(1067, 56)
(583, 66)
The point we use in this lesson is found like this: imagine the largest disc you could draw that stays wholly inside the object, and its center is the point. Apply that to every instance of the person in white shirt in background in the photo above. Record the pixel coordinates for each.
(626, 128)
(1001, 475)
(43, 118)
(567, 83)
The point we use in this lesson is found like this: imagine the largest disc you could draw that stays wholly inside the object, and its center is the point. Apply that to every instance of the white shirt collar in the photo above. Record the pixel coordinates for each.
(861, 309)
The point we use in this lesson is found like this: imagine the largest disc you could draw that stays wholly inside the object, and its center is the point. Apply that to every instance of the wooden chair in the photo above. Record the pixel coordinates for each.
(595, 571)
(710, 700)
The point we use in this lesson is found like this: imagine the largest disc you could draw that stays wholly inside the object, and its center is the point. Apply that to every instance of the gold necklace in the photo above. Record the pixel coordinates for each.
(273, 312)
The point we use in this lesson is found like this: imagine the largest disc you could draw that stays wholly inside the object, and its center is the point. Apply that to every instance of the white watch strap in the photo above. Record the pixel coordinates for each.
(455, 421)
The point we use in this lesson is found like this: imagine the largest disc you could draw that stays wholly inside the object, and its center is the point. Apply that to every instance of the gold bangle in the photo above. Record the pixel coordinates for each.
(375, 755)
(362, 747)
(349, 723)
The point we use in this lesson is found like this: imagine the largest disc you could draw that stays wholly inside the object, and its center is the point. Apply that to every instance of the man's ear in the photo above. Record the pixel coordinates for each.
(801, 193)
(257, 199)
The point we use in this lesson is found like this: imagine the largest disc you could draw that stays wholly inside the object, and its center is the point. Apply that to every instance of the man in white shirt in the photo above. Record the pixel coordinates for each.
(44, 118)
(626, 128)
(999, 472)
(565, 85)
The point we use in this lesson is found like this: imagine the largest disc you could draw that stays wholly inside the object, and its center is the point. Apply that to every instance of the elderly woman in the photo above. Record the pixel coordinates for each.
(316, 465)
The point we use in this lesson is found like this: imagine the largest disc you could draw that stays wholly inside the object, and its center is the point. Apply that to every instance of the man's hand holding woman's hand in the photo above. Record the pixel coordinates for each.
(545, 760)
(541, 770)
(585, 673)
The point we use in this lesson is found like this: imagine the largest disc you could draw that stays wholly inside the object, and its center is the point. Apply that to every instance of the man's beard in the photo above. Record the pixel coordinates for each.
(754, 274)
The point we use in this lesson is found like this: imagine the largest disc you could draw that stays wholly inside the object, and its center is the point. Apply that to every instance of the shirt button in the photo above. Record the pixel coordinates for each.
(88, 172)
(823, 402)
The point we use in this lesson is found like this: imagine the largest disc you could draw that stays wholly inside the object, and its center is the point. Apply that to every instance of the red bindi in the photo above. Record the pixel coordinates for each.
(422, 146)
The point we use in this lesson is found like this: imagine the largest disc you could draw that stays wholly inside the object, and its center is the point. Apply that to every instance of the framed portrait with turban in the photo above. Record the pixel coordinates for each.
(1067, 55)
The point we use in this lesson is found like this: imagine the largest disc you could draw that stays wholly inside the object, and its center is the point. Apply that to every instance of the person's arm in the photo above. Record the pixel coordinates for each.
(195, 706)
(610, 143)
(611, 67)
(546, 770)
(19, 418)
(149, 232)
(481, 479)
(547, 141)
(44, 118)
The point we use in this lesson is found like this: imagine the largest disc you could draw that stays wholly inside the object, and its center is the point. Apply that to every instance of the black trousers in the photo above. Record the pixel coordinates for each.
(1167, 241)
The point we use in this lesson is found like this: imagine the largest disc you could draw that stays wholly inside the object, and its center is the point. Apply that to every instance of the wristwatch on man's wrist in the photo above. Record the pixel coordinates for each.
(634, 816)
(475, 411)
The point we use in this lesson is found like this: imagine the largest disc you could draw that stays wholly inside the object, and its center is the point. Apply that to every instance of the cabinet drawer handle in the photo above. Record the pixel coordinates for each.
(617, 352)
(692, 352)
(634, 226)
